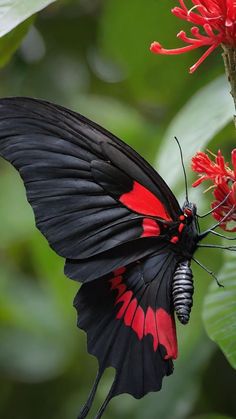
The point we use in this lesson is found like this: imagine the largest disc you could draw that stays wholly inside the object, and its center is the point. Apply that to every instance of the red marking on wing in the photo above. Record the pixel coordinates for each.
(182, 217)
(125, 300)
(167, 333)
(119, 271)
(141, 200)
(116, 284)
(138, 322)
(151, 327)
(159, 324)
(174, 239)
(150, 228)
(130, 311)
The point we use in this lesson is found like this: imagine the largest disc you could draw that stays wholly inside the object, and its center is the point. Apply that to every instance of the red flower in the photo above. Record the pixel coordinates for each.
(224, 184)
(218, 20)
(229, 206)
(217, 171)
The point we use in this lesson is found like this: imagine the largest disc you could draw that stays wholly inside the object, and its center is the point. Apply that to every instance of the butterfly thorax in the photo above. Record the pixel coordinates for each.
(185, 233)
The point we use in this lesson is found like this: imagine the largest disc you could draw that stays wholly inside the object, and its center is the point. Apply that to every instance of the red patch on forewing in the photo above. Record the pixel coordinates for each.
(141, 200)
(150, 228)
(159, 324)
(167, 333)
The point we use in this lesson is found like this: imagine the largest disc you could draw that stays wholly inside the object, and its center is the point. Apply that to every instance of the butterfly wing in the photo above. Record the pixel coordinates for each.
(134, 327)
(92, 195)
(101, 206)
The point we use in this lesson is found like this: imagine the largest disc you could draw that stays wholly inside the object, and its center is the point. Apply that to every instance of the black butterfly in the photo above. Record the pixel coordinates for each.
(123, 234)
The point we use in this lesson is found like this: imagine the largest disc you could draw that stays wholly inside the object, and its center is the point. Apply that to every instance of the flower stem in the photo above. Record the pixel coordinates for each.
(229, 57)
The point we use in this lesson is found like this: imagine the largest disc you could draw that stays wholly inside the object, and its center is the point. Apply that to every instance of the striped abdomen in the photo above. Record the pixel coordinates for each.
(182, 291)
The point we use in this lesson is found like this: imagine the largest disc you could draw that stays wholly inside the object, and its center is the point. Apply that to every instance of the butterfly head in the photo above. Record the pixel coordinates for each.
(189, 210)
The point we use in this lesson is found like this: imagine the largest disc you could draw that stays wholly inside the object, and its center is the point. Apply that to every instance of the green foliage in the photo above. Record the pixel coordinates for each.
(126, 32)
(14, 228)
(13, 12)
(36, 338)
(95, 59)
(220, 310)
(201, 118)
(12, 40)
(212, 417)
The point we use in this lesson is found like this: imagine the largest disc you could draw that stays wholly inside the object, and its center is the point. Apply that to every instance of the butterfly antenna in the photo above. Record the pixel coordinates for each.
(182, 162)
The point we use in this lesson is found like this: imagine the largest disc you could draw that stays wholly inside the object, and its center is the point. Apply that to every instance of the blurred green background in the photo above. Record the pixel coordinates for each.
(93, 56)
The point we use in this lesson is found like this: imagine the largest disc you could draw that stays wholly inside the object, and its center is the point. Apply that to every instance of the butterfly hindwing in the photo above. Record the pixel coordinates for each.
(134, 328)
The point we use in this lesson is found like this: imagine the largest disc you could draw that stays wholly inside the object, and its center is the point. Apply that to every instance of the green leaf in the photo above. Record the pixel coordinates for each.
(37, 340)
(16, 225)
(10, 42)
(126, 32)
(212, 416)
(206, 113)
(13, 12)
(219, 312)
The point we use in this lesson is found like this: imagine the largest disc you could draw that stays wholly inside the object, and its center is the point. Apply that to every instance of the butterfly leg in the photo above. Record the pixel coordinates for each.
(208, 271)
(205, 233)
(218, 246)
(217, 206)
(222, 235)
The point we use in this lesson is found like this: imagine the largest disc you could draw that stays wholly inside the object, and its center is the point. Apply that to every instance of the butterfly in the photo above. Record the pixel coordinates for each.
(123, 234)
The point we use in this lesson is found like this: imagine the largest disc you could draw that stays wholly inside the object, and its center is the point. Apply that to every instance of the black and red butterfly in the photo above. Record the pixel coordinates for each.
(123, 234)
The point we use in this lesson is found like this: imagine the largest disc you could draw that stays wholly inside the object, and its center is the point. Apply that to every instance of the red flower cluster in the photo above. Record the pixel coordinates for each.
(218, 20)
(224, 184)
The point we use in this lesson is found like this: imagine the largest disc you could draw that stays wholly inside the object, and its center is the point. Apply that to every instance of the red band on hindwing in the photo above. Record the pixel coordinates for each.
(125, 300)
(138, 322)
(167, 333)
(159, 324)
(150, 327)
(130, 311)
(141, 200)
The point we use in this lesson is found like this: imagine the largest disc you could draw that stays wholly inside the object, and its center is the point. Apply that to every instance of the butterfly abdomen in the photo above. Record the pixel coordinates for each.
(182, 291)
